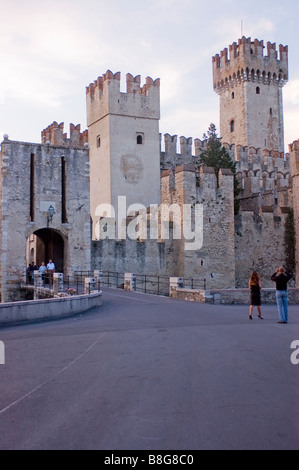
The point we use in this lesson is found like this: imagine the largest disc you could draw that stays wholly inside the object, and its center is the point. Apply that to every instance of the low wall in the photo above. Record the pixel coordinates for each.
(46, 309)
(230, 296)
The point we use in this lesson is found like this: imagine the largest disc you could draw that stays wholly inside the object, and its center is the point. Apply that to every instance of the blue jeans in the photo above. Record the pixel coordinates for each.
(282, 304)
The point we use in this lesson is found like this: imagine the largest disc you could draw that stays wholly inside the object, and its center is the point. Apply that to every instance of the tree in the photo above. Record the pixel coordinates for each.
(217, 157)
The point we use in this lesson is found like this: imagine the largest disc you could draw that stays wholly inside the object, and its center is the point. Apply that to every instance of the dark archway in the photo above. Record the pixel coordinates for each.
(49, 245)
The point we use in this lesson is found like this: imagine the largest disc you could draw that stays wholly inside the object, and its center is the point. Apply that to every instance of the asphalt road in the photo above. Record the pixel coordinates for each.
(149, 373)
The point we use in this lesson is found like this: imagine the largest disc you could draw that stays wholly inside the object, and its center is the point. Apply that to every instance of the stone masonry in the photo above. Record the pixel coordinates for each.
(121, 155)
(32, 180)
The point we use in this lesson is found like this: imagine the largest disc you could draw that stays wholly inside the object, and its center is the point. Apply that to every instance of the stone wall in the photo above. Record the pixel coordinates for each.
(231, 296)
(31, 182)
(147, 257)
(294, 149)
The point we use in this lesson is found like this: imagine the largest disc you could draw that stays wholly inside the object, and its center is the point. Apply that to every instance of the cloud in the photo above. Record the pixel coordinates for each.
(291, 92)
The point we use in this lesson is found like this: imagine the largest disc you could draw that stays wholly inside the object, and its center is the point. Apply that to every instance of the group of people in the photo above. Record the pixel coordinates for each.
(281, 278)
(47, 272)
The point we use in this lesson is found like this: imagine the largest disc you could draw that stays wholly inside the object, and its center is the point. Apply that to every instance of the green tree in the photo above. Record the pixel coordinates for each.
(217, 157)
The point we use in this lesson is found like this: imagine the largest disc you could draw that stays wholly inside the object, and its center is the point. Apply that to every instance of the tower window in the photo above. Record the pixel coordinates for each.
(139, 139)
(270, 111)
(258, 91)
(98, 141)
(233, 95)
(232, 125)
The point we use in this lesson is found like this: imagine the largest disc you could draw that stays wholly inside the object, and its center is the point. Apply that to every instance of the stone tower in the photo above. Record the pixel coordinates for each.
(35, 177)
(124, 141)
(249, 84)
(294, 156)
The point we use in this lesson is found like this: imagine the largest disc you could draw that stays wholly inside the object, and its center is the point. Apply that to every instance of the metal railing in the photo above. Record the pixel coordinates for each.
(195, 284)
(150, 284)
(112, 279)
(72, 285)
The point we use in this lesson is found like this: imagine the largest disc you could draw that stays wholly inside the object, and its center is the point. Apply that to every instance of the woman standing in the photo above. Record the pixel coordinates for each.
(255, 286)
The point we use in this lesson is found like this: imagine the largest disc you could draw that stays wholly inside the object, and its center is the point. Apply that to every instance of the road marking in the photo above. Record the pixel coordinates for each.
(16, 402)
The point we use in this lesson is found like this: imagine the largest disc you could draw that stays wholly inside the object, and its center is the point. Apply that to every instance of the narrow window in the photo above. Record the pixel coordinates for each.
(258, 91)
(270, 111)
(98, 141)
(232, 125)
(32, 187)
(139, 139)
(63, 191)
(233, 95)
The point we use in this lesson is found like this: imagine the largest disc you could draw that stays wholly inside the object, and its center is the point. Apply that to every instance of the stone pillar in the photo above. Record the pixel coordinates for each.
(38, 283)
(58, 283)
(174, 284)
(130, 282)
(97, 274)
(38, 280)
(90, 285)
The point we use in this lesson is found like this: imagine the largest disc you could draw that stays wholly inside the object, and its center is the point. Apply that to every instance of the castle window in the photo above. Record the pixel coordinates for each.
(98, 141)
(258, 91)
(139, 138)
(232, 125)
(233, 95)
(270, 111)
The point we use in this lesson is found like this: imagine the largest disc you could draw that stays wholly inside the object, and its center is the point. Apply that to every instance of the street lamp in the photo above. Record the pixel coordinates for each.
(51, 212)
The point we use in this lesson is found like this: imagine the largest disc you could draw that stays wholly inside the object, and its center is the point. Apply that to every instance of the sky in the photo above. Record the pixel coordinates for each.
(51, 50)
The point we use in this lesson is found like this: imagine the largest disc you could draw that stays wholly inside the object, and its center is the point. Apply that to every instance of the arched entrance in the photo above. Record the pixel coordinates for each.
(46, 244)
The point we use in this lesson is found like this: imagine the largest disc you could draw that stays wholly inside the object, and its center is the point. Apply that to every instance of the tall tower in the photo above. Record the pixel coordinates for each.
(249, 84)
(124, 141)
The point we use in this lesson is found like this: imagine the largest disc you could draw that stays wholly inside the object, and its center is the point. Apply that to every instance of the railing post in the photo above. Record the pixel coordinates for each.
(174, 284)
(98, 277)
(90, 285)
(38, 279)
(130, 282)
(57, 283)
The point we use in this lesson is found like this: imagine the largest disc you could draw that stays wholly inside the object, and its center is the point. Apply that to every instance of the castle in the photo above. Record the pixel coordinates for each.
(97, 183)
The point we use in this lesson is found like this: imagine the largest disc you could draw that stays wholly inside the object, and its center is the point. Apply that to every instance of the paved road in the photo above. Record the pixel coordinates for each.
(150, 373)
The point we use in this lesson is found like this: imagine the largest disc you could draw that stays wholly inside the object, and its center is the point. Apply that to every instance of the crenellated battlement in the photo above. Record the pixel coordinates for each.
(170, 158)
(104, 97)
(245, 61)
(187, 184)
(259, 172)
(54, 134)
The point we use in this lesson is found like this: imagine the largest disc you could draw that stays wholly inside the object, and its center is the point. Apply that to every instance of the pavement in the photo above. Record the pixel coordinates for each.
(143, 372)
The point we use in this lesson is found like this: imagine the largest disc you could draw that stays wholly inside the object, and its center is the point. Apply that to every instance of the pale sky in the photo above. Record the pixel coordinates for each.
(50, 50)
